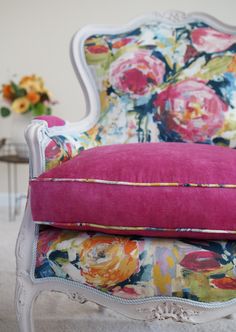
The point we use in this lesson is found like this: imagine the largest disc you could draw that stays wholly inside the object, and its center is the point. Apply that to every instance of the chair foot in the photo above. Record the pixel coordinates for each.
(231, 316)
(25, 295)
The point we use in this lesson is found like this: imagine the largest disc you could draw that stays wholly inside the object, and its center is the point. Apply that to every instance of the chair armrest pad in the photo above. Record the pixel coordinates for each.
(52, 121)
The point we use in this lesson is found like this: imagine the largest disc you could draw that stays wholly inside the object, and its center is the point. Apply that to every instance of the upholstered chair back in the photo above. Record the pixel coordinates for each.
(156, 79)
(160, 82)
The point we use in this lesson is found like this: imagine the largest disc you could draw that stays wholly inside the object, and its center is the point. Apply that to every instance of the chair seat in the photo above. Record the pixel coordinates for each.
(136, 267)
(152, 189)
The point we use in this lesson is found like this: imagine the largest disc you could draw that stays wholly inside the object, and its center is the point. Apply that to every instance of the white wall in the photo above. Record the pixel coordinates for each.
(35, 36)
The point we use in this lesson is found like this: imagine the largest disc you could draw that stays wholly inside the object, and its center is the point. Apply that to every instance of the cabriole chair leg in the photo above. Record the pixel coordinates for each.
(24, 299)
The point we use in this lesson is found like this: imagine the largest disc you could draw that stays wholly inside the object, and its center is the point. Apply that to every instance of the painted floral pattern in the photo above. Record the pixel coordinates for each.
(208, 40)
(191, 110)
(160, 83)
(136, 267)
(136, 73)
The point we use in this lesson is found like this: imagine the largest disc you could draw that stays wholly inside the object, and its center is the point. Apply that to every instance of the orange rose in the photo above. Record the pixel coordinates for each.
(106, 260)
(7, 92)
(33, 97)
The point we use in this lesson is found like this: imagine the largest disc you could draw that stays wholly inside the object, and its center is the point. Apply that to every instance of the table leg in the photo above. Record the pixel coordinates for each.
(9, 191)
(15, 192)
(12, 182)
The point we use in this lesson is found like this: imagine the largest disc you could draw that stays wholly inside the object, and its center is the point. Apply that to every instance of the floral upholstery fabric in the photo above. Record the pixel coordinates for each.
(136, 267)
(159, 83)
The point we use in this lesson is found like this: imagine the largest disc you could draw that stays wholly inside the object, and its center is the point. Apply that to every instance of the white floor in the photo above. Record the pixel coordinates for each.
(56, 313)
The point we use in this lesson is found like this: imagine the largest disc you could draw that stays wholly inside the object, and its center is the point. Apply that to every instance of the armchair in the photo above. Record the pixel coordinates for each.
(189, 61)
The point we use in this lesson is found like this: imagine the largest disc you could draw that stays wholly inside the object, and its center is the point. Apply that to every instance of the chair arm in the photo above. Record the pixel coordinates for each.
(52, 141)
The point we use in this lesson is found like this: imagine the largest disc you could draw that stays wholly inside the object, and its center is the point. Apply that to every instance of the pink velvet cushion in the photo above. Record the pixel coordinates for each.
(151, 189)
(51, 120)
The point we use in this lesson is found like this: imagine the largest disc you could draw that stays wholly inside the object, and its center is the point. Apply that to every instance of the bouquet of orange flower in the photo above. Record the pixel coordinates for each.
(29, 95)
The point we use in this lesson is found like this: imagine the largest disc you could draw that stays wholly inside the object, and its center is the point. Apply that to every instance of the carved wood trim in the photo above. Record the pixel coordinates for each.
(20, 298)
(166, 310)
(173, 16)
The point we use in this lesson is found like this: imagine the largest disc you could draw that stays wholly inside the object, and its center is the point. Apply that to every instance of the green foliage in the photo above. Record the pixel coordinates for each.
(39, 109)
(215, 67)
(5, 111)
(18, 92)
(48, 111)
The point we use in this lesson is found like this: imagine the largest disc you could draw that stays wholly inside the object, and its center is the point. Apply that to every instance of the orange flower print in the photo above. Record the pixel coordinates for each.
(108, 260)
(97, 49)
(122, 42)
(225, 283)
(232, 65)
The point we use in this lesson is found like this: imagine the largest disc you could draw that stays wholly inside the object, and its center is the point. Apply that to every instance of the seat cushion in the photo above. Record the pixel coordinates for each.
(136, 267)
(151, 189)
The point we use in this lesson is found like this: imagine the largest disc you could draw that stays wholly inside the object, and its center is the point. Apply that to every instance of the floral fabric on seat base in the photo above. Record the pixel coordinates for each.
(135, 267)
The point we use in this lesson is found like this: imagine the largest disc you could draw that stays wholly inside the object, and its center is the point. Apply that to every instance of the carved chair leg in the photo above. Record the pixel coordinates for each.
(101, 309)
(25, 296)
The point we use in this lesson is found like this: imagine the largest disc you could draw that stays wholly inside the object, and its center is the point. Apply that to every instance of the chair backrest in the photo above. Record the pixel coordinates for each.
(169, 77)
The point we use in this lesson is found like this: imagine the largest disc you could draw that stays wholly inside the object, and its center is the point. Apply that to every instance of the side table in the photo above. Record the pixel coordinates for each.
(12, 161)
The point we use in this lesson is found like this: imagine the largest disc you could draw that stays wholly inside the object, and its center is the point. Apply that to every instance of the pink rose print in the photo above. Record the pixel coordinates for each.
(68, 152)
(192, 109)
(56, 153)
(209, 40)
(136, 73)
(201, 261)
(53, 151)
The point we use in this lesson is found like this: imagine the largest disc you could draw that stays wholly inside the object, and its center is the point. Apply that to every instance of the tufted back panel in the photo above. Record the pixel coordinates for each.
(165, 83)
